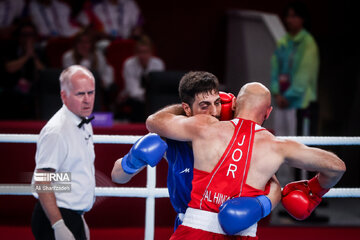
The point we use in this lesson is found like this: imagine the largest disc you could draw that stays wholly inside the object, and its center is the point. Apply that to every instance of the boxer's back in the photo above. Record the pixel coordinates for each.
(209, 148)
(265, 161)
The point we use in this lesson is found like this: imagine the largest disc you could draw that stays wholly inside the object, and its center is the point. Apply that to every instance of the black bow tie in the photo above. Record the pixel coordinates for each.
(85, 121)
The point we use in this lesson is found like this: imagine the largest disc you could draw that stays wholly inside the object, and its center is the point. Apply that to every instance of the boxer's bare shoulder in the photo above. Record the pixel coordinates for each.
(265, 160)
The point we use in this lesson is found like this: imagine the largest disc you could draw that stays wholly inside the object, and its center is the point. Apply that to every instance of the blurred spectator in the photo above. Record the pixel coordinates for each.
(295, 66)
(84, 53)
(114, 18)
(135, 71)
(21, 63)
(52, 18)
(10, 10)
(294, 73)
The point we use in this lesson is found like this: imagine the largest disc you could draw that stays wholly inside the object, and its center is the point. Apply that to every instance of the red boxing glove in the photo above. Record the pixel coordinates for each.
(226, 106)
(302, 197)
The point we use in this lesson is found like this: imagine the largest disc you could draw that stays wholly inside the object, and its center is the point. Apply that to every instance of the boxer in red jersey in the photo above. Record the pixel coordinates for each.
(234, 158)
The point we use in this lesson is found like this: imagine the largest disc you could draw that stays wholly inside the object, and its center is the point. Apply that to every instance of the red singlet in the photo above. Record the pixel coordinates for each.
(228, 178)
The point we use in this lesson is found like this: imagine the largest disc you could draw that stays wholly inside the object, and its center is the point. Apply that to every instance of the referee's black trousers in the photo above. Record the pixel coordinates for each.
(41, 226)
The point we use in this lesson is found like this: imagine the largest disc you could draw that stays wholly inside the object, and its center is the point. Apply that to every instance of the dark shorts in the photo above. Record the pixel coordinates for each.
(41, 226)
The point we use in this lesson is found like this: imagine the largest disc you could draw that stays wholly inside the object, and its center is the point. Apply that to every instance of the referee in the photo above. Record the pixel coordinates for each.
(65, 149)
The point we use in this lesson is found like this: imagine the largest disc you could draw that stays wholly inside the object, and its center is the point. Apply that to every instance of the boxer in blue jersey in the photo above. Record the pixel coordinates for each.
(199, 95)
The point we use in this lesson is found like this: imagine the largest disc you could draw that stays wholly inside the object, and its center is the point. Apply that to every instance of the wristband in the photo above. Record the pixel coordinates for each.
(316, 188)
(265, 204)
(128, 167)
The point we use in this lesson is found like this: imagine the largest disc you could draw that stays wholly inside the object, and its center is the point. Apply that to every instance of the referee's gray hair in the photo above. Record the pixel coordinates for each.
(66, 75)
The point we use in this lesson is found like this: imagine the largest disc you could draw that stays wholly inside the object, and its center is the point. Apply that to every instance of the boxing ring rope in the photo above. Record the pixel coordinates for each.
(139, 192)
(150, 192)
(131, 139)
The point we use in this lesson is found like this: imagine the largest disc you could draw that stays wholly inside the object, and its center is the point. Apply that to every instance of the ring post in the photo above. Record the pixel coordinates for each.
(150, 203)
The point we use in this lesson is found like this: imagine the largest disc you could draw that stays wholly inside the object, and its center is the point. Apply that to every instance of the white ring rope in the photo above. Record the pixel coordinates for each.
(25, 189)
(325, 141)
(139, 192)
(131, 139)
(107, 139)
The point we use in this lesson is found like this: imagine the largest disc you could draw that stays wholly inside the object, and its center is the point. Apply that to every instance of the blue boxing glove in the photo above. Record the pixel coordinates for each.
(238, 214)
(148, 149)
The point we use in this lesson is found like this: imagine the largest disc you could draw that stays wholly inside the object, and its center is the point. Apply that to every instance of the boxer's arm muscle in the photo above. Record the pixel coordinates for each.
(118, 175)
(175, 109)
(275, 192)
(298, 155)
(177, 127)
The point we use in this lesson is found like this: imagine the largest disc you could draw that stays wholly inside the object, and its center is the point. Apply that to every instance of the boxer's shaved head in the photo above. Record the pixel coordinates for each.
(254, 99)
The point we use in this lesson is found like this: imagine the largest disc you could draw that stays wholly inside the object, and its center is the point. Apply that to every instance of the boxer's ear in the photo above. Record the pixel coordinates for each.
(268, 111)
(233, 104)
(187, 109)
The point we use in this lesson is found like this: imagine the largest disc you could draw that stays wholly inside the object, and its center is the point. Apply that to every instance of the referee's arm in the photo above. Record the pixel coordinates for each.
(48, 200)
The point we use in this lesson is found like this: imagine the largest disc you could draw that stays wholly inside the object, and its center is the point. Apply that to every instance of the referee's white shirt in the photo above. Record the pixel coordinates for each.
(66, 148)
